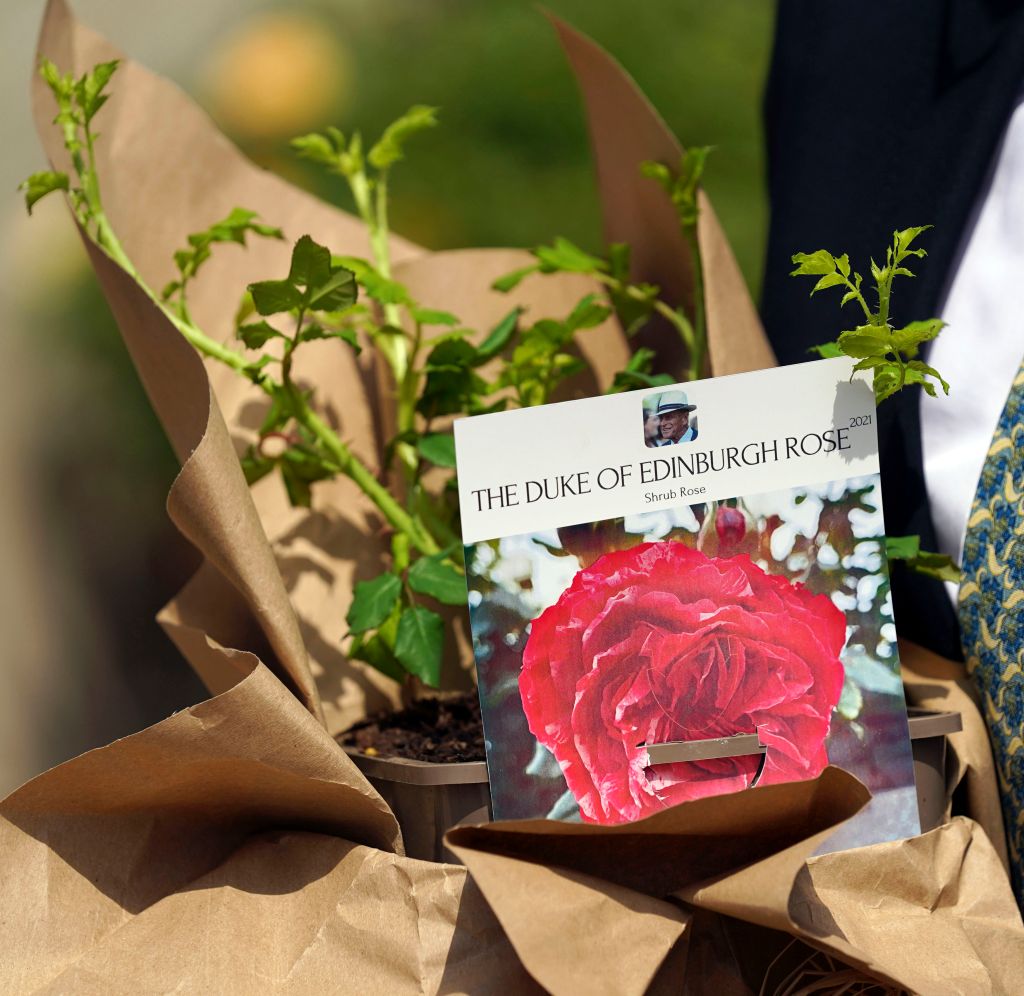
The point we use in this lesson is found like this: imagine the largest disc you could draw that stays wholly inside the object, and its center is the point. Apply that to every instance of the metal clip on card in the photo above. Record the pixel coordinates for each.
(741, 745)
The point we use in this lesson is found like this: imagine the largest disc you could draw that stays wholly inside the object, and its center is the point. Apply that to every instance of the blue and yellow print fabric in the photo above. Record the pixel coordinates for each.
(992, 612)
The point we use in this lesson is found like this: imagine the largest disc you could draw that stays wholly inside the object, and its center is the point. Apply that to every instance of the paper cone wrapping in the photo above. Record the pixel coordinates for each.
(235, 848)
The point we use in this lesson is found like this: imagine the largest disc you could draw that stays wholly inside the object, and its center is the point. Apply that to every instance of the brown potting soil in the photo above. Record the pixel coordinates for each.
(444, 730)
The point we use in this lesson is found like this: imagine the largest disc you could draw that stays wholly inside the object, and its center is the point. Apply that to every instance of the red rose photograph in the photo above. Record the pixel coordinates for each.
(630, 665)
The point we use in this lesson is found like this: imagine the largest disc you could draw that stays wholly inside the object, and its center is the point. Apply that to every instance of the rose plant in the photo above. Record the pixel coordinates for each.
(661, 643)
(434, 367)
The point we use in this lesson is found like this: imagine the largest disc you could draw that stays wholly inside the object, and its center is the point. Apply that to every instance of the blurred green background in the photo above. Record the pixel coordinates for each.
(90, 556)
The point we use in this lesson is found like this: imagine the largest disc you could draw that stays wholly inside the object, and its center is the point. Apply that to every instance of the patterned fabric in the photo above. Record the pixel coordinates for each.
(992, 612)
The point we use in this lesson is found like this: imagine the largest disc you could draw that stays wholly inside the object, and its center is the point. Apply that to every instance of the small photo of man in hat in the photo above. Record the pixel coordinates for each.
(675, 425)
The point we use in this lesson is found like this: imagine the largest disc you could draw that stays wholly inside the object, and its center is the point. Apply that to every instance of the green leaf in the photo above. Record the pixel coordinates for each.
(452, 354)
(637, 373)
(813, 264)
(642, 361)
(874, 363)
(375, 652)
(61, 85)
(432, 576)
(427, 316)
(827, 350)
(450, 391)
(936, 565)
(336, 293)
(829, 280)
(619, 257)
(254, 466)
(245, 310)
(310, 265)
(254, 370)
(300, 494)
(315, 331)
(843, 264)
(382, 289)
(681, 187)
(419, 644)
(258, 334)
(474, 407)
(588, 314)
(691, 168)
(903, 239)
(389, 147)
(658, 172)
(319, 148)
(865, 340)
(627, 381)
(89, 89)
(300, 468)
(499, 336)
(38, 185)
(902, 547)
(274, 297)
(372, 602)
(512, 280)
(566, 257)
(908, 338)
(887, 381)
(926, 371)
(438, 448)
(233, 228)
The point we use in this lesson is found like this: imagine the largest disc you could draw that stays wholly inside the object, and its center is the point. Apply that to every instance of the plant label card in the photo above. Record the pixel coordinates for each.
(681, 592)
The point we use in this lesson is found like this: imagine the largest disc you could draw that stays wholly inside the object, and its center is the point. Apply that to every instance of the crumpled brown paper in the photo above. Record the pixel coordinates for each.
(233, 847)
(932, 682)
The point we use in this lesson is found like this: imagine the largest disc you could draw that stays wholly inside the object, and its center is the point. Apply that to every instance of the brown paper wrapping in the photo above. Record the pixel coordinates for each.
(234, 848)
(625, 132)
(932, 682)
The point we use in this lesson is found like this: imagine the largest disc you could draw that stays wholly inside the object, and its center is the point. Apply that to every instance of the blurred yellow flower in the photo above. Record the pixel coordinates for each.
(276, 75)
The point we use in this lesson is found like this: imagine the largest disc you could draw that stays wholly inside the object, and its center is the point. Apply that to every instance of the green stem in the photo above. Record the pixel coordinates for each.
(108, 240)
(399, 552)
(373, 212)
(379, 231)
(351, 466)
(678, 321)
(408, 389)
(347, 462)
(698, 350)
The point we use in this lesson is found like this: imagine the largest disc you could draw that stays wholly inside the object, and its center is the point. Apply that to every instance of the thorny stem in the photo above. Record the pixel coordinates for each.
(371, 202)
(884, 291)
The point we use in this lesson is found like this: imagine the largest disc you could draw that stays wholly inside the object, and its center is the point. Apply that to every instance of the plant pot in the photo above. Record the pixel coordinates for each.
(430, 798)
(928, 732)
